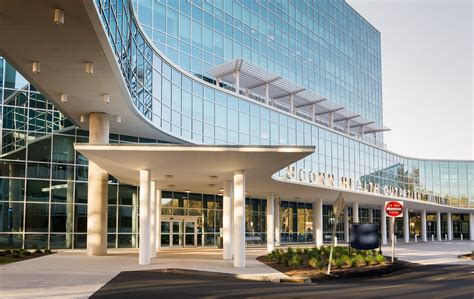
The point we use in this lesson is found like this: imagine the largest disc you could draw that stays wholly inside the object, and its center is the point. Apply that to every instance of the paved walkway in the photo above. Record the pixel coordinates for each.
(71, 274)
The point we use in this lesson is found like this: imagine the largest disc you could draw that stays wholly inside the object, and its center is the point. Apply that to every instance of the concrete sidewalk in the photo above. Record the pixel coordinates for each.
(432, 253)
(72, 274)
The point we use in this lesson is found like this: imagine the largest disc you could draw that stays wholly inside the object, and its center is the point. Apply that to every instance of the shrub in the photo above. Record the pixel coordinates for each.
(15, 254)
(26, 253)
(47, 251)
(2, 253)
(285, 259)
(380, 259)
(38, 251)
(354, 262)
(7, 251)
(313, 262)
(369, 259)
(347, 260)
(295, 261)
(306, 251)
(359, 259)
(299, 251)
(338, 263)
(290, 250)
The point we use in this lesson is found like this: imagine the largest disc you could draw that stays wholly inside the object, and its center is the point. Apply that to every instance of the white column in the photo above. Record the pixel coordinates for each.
(331, 120)
(227, 221)
(348, 127)
(355, 212)
(152, 219)
(346, 224)
(383, 226)
(144, 243)
(267, 97)
(424, 237)
(313, 112)
(450, 227)
(292, 104)
(270, 222)
(97, 189)
(158, 220)
(371, 215)
(277, 222)
(406, 223)
(318, 222)
(438, 226)
(239, 219)
(237, 81)
(471, 226)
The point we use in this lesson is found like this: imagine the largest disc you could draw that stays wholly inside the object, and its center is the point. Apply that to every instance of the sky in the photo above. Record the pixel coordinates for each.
(427, 75)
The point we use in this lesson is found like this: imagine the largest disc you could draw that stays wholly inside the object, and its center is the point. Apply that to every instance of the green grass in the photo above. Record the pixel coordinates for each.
(7, 260)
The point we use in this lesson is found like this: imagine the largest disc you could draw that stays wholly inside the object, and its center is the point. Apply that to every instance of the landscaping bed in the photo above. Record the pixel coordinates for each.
(467, 256)
(313, 262)
(15, 255)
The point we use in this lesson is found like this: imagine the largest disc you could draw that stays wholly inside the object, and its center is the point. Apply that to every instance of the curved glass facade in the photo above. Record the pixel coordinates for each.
(193, 110)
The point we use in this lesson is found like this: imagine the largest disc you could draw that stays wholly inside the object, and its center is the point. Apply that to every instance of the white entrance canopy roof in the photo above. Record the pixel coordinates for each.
(255, 79)
(204, 169)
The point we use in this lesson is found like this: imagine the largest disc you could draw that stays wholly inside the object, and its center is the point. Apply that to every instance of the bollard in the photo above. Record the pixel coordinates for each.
(335, 241)
(446, 237)
(432, 238)
(416, 238)
(461, 237)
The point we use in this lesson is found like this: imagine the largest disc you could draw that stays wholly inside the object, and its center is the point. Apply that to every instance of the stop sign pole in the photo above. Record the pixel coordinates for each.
(393, 209)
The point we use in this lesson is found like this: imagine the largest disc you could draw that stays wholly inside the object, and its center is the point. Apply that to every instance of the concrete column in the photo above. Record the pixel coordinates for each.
(158, 220)
(438, 226)
(471, 226)
(331, 120)
(346, 224)
(424, 237)
(450, 227)
(144, 238)
(313, 112)
(267, 92)
(134, 219)
(227, 221)
(383, 226)
(371, 215)
(277, 222)
(318, 222)
(270, 222)
(355, 212)
(292, 104)
(218, 82)
(348, 127)
(237, 81)
(153, 224)
(239, 219)
(97, 189)
(406, 224)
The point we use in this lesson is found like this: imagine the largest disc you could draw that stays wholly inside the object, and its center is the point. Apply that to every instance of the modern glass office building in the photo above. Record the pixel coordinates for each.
(246, 72)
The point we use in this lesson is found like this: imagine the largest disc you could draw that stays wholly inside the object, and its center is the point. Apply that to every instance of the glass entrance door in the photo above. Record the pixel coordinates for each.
(178, 233)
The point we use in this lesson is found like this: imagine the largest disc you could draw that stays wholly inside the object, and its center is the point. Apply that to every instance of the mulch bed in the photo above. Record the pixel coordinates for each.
(344, 273)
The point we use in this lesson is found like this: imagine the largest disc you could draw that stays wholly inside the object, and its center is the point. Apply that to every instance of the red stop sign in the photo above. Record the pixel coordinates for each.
(393, 208)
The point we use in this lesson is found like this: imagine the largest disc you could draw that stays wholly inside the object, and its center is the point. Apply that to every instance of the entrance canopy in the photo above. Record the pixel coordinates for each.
(204, 169)
(201, 169)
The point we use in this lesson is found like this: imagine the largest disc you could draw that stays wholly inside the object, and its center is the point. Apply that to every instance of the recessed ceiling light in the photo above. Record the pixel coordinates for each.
(106, 98)
(36, 67)
(89, 68)
(58, 16)
(221, 189)
(219, 194)
(212, 185)
(63, 98)
(187, 191)
(213, 177)
(168, 176)
(82, 118)
(118, 118)
(170, 186)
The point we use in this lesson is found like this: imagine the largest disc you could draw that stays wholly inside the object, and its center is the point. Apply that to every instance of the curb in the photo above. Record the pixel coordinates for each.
(237, 276)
